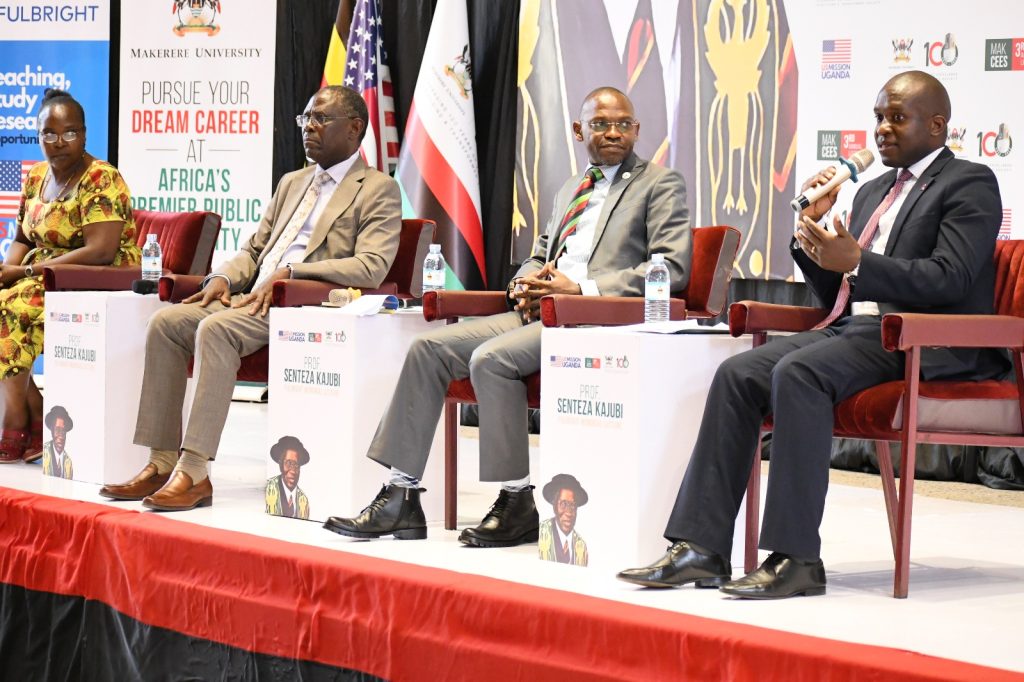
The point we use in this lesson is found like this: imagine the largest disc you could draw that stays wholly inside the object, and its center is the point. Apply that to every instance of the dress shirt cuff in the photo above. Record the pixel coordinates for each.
(209, 278)
(588, 287)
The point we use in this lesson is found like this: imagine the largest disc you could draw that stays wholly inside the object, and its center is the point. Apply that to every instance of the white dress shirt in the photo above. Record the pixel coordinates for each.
(573, 262)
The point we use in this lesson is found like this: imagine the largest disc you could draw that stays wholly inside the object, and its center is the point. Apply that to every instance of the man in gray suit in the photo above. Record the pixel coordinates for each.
(603, 228)
(338, 221)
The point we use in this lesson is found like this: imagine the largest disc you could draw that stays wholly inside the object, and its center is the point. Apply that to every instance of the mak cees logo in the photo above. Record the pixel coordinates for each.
(1004, 54)
(995, 142)
(941, 53)
(833, 144)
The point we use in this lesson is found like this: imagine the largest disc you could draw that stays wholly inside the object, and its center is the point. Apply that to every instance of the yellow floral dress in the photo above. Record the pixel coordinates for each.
(55, 227)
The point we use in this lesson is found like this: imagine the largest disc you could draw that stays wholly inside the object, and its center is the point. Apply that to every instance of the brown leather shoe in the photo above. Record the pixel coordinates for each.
(180, 494)
(146, 482)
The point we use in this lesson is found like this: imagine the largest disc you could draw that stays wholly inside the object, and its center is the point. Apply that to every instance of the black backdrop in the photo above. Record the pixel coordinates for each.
(303, 35)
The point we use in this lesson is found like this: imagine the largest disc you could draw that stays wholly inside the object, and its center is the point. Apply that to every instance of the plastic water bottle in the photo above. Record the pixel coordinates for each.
(433, 270)
(656, 290)
(152, 259)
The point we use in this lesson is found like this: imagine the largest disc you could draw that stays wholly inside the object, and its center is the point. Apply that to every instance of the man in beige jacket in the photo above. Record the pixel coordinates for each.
(336, 221)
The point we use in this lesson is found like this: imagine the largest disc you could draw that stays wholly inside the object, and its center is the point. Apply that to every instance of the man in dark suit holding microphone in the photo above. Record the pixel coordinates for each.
(921, 239)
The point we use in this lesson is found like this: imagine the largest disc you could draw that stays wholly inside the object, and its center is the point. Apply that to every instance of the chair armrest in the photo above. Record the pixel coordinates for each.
(445, 305)
(62, 277)
(753, 317)
(291, 293)
(563, 310)
(903, 331)
(176, 288)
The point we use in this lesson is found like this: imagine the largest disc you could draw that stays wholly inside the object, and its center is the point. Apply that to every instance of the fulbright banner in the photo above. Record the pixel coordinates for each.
(197, 109)
(43, 45)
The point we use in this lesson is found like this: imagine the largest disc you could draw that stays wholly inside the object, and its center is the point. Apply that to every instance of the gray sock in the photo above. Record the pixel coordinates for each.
(194, 465)
(163, 460)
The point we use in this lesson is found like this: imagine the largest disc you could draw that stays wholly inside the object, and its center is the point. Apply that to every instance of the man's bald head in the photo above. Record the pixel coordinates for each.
(926, 89)
(911, 115)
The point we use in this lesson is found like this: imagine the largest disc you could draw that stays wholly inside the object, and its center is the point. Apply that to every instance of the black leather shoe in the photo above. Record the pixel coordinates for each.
(512, 521)
(780, 576)
(395, 511)
(681, 564)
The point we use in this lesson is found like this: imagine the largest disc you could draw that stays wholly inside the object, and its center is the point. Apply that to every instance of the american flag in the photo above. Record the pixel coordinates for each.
(836, 51)
(367, 72)
(1004, 227)
(12, 177)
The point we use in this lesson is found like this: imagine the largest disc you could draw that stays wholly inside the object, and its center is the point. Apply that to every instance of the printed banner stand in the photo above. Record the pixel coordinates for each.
(196, 106)
(95, 351)
(331, 378)
(620, 413)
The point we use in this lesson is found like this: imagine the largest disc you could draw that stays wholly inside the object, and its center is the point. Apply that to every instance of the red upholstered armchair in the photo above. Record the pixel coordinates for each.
(186, 239)
(911, 411)
(402, 280)
(714, 249)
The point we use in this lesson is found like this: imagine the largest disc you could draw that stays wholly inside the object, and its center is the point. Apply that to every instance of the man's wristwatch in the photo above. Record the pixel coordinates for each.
(30, 271)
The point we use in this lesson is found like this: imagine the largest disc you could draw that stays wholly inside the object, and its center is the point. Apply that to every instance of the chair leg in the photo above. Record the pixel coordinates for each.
(882, 451)
(753, 515)
(905, 505)
(904, 513)
(451, 464)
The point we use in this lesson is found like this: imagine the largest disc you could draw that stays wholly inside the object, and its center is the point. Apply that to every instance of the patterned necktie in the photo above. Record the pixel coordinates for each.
(865, 240)
(576, 207)
(565, 547)
(294, 226)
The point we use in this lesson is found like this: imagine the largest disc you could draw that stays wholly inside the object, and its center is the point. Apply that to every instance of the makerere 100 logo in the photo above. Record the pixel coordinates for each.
(1004, 54)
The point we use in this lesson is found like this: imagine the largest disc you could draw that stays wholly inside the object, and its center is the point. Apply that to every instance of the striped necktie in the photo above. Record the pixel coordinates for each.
(294, 226)
(865, 240)
(576, 207)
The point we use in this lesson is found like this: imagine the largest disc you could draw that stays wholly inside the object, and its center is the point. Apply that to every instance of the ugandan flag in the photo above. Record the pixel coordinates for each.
(334, 66)
(437, 166)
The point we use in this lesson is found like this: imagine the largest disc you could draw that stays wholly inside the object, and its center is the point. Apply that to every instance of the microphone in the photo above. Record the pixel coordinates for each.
(857, 163)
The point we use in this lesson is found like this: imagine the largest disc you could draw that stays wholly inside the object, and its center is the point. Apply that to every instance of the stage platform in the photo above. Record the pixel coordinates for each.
(277, 589)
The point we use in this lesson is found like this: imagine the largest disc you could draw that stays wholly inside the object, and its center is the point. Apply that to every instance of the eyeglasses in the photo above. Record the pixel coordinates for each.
(302, 120)
(67, 136)
(290, 464)
(623, 127)
(565, 505)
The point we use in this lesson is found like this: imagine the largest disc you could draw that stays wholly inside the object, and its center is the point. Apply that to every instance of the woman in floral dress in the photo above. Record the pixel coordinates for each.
(74, 209)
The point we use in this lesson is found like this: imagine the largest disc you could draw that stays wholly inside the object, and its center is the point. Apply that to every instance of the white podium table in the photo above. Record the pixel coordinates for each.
(94, 352)
(331, 378)
(620, 412)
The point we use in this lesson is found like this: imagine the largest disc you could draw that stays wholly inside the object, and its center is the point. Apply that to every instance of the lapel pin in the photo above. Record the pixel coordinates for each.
(924, 186)
(625, 176)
